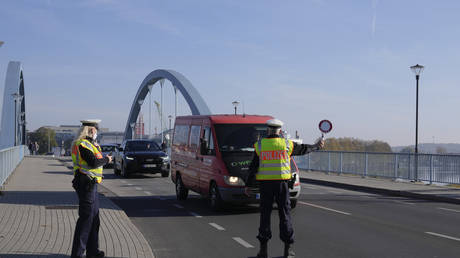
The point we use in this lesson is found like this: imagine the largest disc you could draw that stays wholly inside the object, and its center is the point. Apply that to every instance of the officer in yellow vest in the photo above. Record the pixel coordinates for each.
(272, 166)
(87, 165)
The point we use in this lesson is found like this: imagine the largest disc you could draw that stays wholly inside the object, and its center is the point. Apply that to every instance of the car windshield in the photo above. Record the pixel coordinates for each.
(239, 137)
(142, 146)
(107, 148)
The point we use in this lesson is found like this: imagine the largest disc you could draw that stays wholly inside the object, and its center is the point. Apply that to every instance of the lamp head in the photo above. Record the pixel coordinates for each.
(417, 69)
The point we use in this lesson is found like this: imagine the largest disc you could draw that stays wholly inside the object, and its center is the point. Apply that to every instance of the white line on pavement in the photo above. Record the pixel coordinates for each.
(324, 208)
(196, 215)
(148, 193)
(336, 192)
(443, 236)
(403, 202)
(178, 206)
(448, 209)
(216, 226)
(138, 188)
(130, 184)
(242, 242)
(123, 181)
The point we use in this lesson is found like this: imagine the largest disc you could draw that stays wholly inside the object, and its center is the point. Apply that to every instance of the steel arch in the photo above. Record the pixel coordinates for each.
(194, 100)
(12, 128)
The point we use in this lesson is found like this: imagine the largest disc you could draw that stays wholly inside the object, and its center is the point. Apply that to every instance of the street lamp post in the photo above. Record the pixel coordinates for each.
(417, 69)
(235, 104)
(17, 98)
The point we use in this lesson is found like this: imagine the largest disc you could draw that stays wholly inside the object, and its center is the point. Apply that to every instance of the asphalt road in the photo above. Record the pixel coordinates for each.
(328, 222)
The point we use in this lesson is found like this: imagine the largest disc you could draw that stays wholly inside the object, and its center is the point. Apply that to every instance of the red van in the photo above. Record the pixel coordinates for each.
(211, 155)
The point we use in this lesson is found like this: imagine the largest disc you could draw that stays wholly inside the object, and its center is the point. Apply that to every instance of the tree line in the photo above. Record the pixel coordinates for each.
(353, 144)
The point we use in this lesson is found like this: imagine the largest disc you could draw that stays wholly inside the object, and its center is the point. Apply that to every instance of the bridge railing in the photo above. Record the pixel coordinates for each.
(430, 167)
(9, 160)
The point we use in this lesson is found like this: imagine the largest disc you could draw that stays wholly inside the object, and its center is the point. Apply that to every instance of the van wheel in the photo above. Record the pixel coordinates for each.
(293, 203)
(214, 198)
(181, 191)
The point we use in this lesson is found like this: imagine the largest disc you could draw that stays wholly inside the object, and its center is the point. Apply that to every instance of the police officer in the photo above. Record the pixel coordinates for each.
(87, 165)
(272, 167)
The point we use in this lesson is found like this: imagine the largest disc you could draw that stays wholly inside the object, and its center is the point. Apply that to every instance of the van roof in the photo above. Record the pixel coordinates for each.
(231, 118)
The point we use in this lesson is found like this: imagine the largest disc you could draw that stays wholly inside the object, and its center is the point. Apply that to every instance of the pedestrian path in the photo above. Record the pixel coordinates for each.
(39, 209)
(418, 190)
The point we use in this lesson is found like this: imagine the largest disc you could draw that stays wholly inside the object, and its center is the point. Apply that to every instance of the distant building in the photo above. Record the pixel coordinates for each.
(139, 131)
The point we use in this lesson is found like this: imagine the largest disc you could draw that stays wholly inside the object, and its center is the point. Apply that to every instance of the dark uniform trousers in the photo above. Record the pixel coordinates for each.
(86, 235)
(269, 191)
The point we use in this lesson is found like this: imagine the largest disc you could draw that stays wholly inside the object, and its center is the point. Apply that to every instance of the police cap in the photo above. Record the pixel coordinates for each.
(276, 123)
(91, 122)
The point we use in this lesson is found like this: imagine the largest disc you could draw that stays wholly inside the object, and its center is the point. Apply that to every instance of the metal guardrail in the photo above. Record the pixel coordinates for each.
(431, 167)
(9, 160)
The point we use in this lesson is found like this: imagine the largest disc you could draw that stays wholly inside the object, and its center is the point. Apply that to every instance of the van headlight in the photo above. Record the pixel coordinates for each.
(234, 181)
(165, 159)
(129, 158)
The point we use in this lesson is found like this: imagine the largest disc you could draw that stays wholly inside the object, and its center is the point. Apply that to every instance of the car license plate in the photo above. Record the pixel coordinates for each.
(258, 196)
(150, 165)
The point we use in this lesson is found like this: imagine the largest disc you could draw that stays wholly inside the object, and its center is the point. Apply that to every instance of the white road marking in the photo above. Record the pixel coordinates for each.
(178, 206)
(324, 208)
(196, 215)
(403, 202)
(443, 236)
(130, 184)
(310, 187)
(216, 226)
(148, 193)
(138, 188)
(242, 242)
(123, 181)
(336, 192)
(448, 209)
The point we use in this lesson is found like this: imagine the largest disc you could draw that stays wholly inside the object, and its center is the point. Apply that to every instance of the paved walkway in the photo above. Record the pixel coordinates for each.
(38, 212)
(418, 190)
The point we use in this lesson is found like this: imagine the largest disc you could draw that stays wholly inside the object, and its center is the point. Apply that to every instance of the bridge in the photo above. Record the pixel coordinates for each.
(343, 211)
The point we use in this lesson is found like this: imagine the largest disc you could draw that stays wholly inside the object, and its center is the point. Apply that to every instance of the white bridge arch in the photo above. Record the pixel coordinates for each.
(194, 100)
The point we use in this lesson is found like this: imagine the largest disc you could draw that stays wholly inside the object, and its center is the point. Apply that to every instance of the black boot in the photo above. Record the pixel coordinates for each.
(263, 253)
(288, 251)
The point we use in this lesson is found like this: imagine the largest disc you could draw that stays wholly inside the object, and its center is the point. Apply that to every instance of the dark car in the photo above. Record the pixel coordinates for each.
(108, 149)
(144, 156)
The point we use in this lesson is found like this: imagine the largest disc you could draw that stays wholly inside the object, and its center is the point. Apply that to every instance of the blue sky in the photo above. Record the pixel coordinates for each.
(300, 61)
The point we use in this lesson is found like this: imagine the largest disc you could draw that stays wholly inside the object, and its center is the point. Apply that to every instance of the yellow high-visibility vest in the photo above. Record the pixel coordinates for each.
(81, 165)
(274, 158)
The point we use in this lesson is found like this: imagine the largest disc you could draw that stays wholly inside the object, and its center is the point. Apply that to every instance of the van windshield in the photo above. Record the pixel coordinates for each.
(239, 137)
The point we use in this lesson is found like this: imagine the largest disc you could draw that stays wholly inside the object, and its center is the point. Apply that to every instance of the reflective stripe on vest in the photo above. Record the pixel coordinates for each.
(274, 158)
(81, 165)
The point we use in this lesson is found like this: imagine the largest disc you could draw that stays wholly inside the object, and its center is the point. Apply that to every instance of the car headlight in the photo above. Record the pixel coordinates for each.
(165, 158)
(129, 158)
(234, 180)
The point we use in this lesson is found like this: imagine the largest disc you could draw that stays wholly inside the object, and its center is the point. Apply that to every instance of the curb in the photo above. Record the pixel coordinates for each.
(381, 191)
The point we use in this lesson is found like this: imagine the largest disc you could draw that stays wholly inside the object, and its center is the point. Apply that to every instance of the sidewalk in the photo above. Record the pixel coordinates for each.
(39, 209)
(383, 186)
